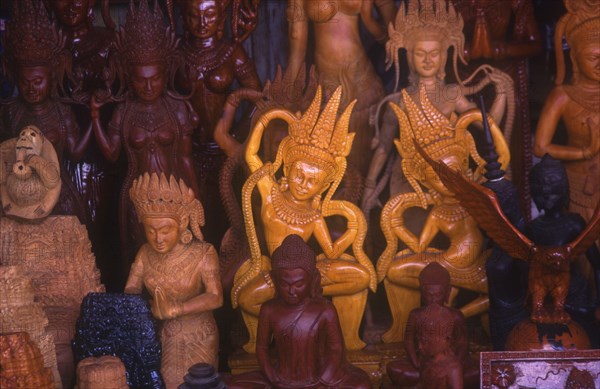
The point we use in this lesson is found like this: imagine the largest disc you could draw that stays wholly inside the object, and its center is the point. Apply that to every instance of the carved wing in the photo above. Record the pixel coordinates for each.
(483, 205)
(588, 236)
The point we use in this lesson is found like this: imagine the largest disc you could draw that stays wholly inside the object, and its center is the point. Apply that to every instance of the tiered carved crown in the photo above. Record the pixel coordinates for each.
(155, 196)
(320, 138)
(31, 38)
(145, 39)
(581, 25)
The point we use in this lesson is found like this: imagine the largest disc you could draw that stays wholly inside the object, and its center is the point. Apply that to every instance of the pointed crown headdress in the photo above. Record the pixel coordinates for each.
(155, 196)
(317, 136)
(421, 20)
(144, 39)
(435, 133)
(31, 38)
(580, 25)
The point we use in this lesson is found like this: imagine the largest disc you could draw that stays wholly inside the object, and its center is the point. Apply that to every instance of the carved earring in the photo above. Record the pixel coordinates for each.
(283, 184)
(186, 237)
(316, 202)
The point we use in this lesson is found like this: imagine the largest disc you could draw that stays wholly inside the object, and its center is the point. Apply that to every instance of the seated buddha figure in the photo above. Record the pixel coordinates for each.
(442, 139)
(304, 328)
(313, 159)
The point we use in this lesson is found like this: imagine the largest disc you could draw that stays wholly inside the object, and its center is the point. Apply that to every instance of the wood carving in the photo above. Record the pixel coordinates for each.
(576, 105)
(30, 177)
(449, 140)
(303, 327)
(152, 125)
(37, 61)
(313, 156)
(105, 372)
(427, 29)
(180, 273)
(22, 364)
(549, 269)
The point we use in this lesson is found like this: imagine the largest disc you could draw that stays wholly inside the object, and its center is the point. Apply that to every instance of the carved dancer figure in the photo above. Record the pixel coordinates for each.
(463, 257)
(314, 161)
(304, 328)
(427, 29)
(180, 273)
(341, 59)
(29, 175)
(153, 125)
(36, 59)
(576, 105)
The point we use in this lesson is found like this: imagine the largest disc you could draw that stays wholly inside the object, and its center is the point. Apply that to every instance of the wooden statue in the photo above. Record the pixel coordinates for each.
(314, 161)
(435, 339)
(304, 328)
(105, 372)
(22, 363)
(90, 45)
(30, 176)
(504, 34)
(180, 273)
(549, 269)
(213, 65)
(35, 57)
(448, 140)
(340, 58)
(576, 105)
(153, 125)
(427, 29)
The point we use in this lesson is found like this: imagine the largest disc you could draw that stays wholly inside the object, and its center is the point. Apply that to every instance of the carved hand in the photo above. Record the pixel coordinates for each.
(164, 308)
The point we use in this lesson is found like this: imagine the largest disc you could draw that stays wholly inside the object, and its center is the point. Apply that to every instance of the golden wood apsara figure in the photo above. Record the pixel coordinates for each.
(313, 156)
(447, 140)
(180, 273)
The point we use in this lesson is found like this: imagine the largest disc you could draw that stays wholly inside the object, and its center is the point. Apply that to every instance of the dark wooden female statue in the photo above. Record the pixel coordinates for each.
(152, 125)
(213, 64)
(36, 59)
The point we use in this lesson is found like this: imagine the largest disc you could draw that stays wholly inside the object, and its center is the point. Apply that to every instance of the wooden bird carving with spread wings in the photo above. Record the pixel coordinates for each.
(549, 271)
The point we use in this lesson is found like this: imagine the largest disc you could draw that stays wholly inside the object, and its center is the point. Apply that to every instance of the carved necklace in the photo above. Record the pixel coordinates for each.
(587, 98)
(449, 213)
(205, 60)
(289, 212)
(171, 265)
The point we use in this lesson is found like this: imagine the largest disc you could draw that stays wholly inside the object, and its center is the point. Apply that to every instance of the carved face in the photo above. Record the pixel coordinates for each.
(30, 141)
(427, 58)
(306, 180)
(432, 180)
(162, 233)
(548, 190)
(71, 12)
(202, 18)
(433, 294)
(34, 83)
(293, 285)
(148, 81)
(588, 61)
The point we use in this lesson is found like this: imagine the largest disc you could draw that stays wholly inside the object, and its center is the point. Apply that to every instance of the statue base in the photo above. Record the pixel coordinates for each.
(372, 359)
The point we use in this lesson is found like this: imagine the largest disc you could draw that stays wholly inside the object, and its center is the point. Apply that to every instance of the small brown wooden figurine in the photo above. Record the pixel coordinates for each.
(180, 273)
(21, 363)
(153, 125)
(29, 176)
(304, 328)
(105, 372)
(576, 105)
(435, 338)
(37, 60)
(313, 158)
